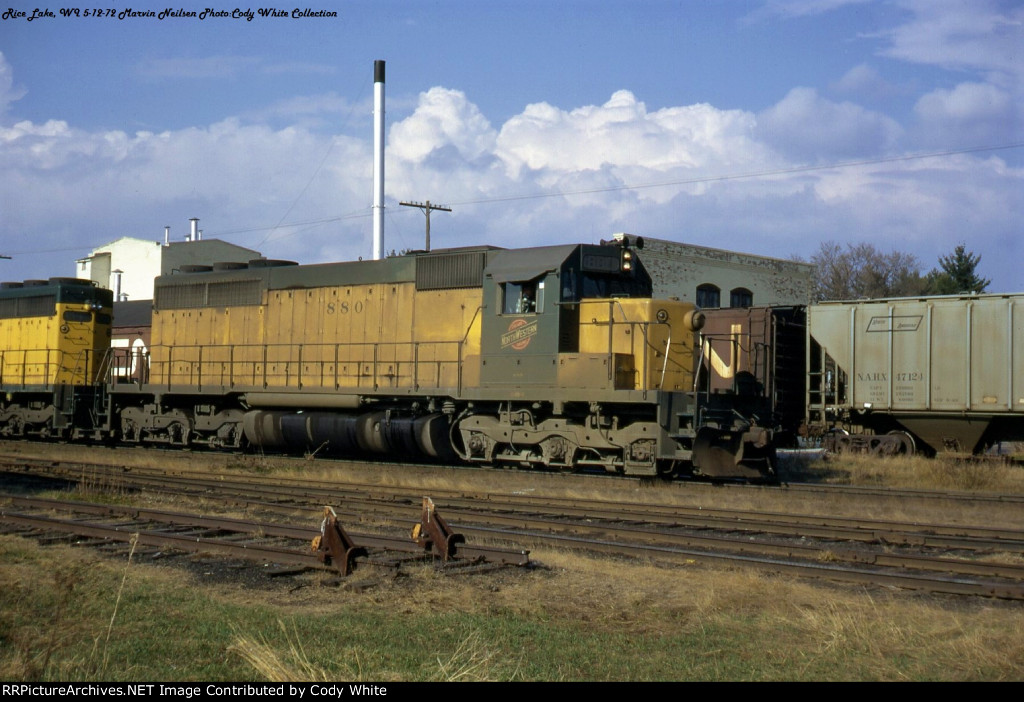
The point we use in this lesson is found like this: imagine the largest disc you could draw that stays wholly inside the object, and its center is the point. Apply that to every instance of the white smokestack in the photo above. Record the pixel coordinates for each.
(378, 160)
(167, 236)
(194, 233)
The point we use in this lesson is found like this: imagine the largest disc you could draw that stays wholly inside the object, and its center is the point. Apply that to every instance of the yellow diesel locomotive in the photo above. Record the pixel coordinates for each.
(54, 344)
(554, 356)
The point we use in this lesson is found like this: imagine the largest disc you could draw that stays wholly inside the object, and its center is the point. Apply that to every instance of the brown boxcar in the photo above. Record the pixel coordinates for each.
(754, 357)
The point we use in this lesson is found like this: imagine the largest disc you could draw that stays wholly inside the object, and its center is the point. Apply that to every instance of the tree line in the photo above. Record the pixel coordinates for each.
(857, 271)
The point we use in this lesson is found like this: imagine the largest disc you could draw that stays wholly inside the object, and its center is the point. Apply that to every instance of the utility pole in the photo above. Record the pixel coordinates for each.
(426, 207)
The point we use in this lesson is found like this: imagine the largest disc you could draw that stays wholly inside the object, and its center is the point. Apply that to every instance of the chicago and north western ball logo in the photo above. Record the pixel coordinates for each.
(519, 334)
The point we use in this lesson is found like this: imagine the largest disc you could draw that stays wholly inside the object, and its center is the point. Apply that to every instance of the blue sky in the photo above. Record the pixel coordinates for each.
(766, 127)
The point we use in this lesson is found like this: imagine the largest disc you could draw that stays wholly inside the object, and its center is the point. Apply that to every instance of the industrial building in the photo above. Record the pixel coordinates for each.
(129, 265)
(717, 278)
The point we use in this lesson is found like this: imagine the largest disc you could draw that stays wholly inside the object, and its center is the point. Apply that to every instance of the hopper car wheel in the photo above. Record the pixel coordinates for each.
(904, 443)
(837, 441)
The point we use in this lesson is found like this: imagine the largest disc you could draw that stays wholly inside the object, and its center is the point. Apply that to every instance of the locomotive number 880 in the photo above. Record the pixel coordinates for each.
(555, 357)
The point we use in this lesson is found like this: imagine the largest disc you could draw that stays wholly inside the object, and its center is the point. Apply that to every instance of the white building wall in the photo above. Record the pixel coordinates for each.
(142, 260)
(139, 260)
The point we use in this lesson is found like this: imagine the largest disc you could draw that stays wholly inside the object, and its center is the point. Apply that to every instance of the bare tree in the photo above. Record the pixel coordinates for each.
(862, 271)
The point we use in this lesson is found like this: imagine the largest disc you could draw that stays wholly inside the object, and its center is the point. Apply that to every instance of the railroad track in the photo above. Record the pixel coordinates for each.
(937, 558)
(286, 546)
(261, 489)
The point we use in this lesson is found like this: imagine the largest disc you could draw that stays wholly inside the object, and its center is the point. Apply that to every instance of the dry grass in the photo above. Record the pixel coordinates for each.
(288, 663)
(73, 610)
(579, 617)
(471, 661)
(940, 473)
(576, 617)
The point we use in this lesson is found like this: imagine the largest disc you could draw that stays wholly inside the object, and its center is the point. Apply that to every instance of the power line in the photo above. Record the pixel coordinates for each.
(688, 181)
(616, 188)
(356, 214)
(312, 177)
(741, 176)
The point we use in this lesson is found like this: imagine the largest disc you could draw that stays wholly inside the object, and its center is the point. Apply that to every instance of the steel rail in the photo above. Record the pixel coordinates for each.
(634, 540)
(791, 487)
(644, 541)
(492, 554)
(845, 528)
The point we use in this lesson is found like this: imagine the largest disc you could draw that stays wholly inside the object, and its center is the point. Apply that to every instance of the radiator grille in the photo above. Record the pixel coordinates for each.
(208, 294)
(449, 271)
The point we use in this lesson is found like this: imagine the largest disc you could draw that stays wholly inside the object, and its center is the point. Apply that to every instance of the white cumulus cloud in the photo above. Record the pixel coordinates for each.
(9, 92)
(971, 114)
(807, 127)
(545, 175)
(442, 118)
(621, 133)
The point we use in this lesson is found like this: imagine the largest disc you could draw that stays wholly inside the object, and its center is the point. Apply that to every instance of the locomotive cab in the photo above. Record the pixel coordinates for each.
(577, 326)
(54, 336)
(582, 317)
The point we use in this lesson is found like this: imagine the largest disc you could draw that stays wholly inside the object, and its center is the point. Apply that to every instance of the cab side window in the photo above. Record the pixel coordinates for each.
(525, 297)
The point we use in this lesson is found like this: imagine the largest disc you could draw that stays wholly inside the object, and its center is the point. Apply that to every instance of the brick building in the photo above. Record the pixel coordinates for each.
(718, 278)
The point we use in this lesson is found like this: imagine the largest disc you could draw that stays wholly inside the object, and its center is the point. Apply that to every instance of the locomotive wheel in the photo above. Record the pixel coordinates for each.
(668, 469)
(177, 434)
(16, 426)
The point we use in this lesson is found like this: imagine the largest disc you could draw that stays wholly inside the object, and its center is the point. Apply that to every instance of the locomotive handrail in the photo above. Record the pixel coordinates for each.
(105, 368)
(306, 365)
(644, 329)
(46, 367)
(469, 327)
(664, 362)
(128, 364)
(43, 367)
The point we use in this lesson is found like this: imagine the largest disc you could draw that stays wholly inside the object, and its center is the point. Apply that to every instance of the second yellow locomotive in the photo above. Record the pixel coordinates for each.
(54, 342)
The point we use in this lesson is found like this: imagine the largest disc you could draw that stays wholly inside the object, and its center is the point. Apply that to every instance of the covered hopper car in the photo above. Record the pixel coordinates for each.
(888, 376)
(931, 374)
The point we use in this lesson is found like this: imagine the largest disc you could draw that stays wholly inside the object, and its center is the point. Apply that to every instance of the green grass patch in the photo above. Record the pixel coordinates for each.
(99, 618)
